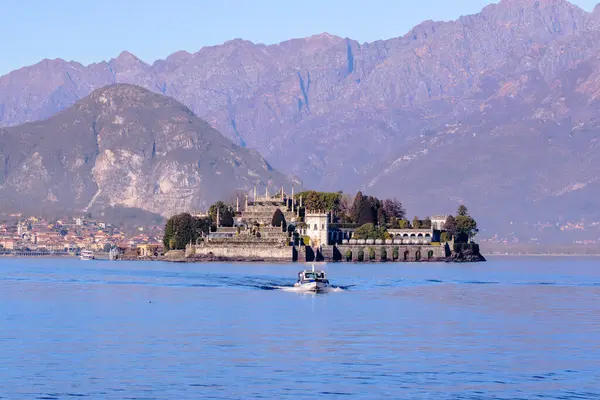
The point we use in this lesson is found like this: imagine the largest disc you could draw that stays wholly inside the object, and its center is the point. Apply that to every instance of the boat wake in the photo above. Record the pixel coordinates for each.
(272, 283)
(294, 289)
(91, 274)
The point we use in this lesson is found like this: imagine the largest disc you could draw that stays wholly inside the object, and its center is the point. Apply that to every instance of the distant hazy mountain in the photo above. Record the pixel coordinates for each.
(498, 109)
(124, 146)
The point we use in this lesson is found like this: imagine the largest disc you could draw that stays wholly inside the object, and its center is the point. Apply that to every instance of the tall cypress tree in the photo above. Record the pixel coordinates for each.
(169, 232)
(357, 206)
(367, 214)
(278, 219)
(450, 226)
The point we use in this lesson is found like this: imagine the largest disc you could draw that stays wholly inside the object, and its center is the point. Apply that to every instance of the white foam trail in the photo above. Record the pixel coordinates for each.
(302, 290)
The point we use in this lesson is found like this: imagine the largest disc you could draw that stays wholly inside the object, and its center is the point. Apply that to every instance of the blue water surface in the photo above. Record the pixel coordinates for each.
(511, 328)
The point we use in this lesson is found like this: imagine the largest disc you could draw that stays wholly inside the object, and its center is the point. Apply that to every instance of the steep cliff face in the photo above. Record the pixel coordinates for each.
(125, 146)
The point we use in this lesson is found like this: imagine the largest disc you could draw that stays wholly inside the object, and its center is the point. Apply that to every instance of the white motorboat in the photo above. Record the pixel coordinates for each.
(86, 255)
(311, 280)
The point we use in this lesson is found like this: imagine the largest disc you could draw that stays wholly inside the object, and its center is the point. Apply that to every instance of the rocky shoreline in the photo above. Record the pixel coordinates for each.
(466, 256)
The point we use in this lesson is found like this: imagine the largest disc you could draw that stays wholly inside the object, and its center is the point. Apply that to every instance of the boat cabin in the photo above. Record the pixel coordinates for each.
(312, 276)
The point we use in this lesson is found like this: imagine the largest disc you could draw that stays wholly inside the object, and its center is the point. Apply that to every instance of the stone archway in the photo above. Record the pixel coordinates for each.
(360, 256)
(429, 254)
(348, 255)
(406, 254)
(418, 255)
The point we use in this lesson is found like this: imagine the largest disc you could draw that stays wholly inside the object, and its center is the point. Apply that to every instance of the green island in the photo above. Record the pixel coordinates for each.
(313, 226)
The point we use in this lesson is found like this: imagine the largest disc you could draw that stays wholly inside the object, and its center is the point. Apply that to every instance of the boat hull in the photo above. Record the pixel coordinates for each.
(312, 286)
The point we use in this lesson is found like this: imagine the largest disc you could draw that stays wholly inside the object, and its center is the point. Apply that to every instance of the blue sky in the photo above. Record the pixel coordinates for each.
(91, 31)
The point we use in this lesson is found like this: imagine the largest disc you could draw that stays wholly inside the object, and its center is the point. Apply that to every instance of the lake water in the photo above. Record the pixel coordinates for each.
(511, 328)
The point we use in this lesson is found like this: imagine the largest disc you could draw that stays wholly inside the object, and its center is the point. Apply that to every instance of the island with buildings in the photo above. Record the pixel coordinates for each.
(316, 226)
(309, 226)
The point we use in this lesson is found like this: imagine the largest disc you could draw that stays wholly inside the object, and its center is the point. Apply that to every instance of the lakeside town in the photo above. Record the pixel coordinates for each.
(34, 235)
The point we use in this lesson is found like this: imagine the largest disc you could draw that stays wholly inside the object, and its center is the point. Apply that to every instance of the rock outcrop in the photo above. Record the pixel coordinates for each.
(125, 146)
(466, 252)
(466, 256)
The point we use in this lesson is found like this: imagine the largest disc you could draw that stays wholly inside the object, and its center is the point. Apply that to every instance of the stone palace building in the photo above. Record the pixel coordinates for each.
(310, 235)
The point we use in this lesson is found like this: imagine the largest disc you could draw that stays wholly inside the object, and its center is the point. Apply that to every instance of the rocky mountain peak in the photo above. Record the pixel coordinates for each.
(179, 56)
(129, 96)
(536, 4)
(125, 146)
(126, 57)
(594, 18)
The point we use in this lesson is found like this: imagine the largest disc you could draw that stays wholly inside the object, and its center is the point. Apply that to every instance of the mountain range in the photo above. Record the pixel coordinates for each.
(496, 109)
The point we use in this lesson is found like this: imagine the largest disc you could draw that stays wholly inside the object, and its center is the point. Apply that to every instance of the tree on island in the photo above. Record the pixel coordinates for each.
(345, 207)
(466, 226)
(365, 209)
(382, 219)
(450, 226)
(416, 223)
(462, 227)
(371, 210)
(225, 214)
(357, 205)
(370, 231)
(394, 209)
(278, 220)
(375, 205)
(182, 229)
(321, 201)
(425, 223)
(404, 224)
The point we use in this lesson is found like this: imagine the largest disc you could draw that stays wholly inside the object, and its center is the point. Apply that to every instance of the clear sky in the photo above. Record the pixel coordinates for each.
(89, 31)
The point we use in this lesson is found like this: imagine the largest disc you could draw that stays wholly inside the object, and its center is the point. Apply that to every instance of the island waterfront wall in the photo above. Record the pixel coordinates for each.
(242, 250)
(249, 252)
(281, 252)
(406, 253)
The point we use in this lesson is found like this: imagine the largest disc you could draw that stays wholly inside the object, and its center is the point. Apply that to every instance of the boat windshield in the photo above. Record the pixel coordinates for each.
(314, 275)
